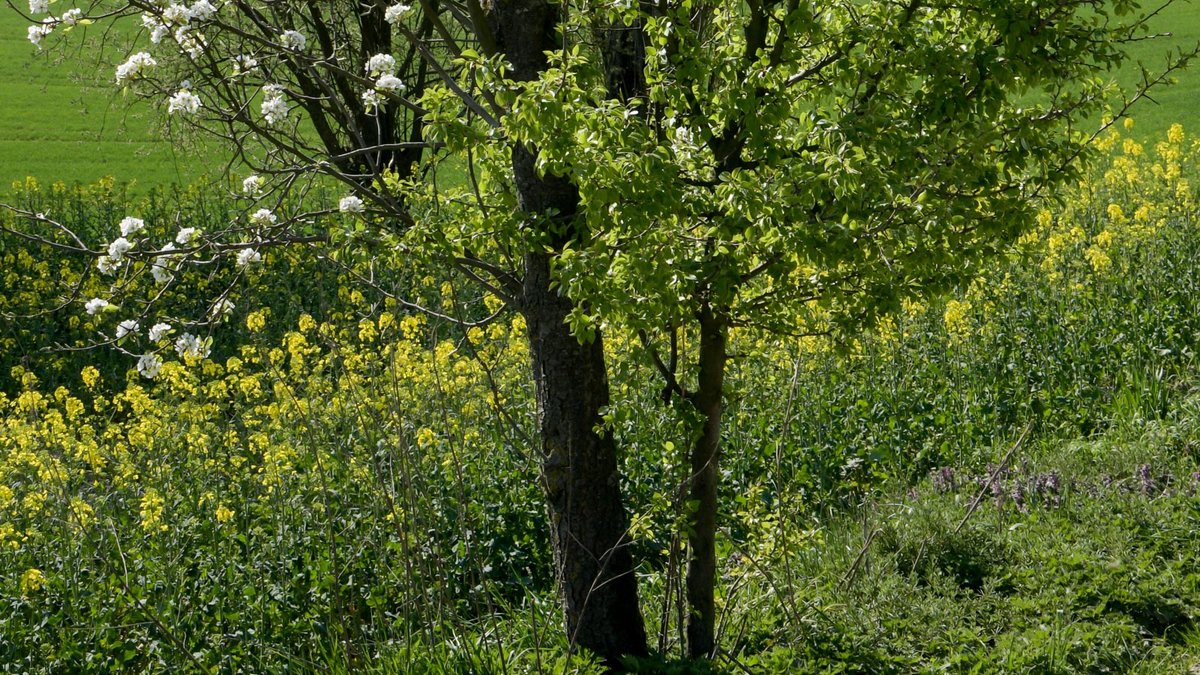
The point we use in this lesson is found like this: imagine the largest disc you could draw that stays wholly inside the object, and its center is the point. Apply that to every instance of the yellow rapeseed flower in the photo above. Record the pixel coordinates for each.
(367, 331)
(426, 437)
(957, 318)
(32, 581)
(386, 320)
(151, 511)
(412, 326)
(1098, 259)
(82, 512)
(255, 321)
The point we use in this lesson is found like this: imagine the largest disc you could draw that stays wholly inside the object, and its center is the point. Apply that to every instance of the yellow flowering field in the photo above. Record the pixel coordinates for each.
(342, 479)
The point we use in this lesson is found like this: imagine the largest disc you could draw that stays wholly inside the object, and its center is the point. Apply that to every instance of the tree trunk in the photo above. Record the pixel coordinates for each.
(593, 565)
(702, 530)
(592, 561)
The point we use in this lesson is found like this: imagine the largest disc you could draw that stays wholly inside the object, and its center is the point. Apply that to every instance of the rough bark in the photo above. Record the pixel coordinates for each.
(579, 475)
(592, 560)
(702, 530)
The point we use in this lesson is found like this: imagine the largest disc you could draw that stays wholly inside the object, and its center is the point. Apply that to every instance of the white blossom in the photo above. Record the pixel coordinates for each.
(221, 310)
(202, 10)
(95, 305)
(185, 235)
(38, 32)
(135, 67)
(274, 108)
(176, 14)
(381, 64)
(127, 327)
(164, 265)
(389, 83)
(252, 185)
(71, 16)
(247, 257)
(350, 204)
(131, 226)
(39, 6)
(683, 135)
(190, 42)
(149, 365)
(395, 13)
(107, 265)
(158, 29)
(263, 218)
(244, 63)
(159, 331)
(118, 248)
(371, 100)
(183, 101)
(294, 40)
(190, 346)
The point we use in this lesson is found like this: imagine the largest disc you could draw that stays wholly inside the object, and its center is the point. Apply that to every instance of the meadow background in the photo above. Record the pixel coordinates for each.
(62, 119)
(1001, 480)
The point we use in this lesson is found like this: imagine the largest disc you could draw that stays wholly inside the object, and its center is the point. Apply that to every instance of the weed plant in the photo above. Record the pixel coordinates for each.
(344, 485)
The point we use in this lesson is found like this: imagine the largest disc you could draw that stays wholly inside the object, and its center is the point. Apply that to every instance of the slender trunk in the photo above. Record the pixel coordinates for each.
(702, 531)
(593, 565)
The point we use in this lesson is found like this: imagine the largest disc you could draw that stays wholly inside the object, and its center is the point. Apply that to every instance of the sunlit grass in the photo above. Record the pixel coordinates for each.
(63, 119)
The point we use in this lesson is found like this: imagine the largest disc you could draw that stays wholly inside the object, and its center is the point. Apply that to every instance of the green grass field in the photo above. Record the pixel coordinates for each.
(61, 120)
(1179, 28)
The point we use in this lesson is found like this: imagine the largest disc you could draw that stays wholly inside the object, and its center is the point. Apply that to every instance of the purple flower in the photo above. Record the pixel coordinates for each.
(1053, 483)
(998, 491)
(1018, 495)
(944, 480)
(1149, 486)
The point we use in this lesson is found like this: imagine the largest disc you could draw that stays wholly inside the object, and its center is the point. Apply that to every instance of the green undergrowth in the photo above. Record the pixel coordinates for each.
(1083, 558)
(1080, 557)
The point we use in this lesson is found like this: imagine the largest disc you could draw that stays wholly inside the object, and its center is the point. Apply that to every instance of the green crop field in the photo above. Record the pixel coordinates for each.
(60, 119)
(346, 470)
(1179, 28)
